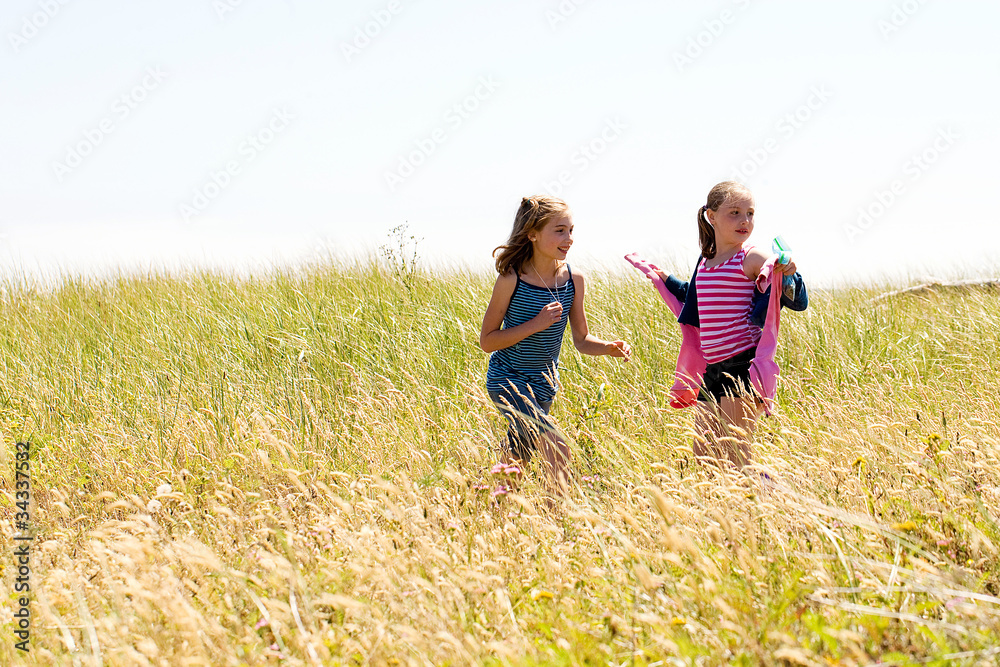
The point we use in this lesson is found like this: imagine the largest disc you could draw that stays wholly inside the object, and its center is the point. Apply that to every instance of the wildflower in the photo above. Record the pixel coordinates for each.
(500, 491)
(163, 488)
(513, 470)
(260, 624)
(905, 526)
(678, 621)
(860, 461)
(498, 469)
(481, 487)
(541, 595)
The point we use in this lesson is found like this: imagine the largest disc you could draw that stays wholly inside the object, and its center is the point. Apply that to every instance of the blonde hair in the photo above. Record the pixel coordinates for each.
(718, 196)
(532, 215)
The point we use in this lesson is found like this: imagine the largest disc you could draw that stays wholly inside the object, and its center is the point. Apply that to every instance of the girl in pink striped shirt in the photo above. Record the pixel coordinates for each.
(720, 292)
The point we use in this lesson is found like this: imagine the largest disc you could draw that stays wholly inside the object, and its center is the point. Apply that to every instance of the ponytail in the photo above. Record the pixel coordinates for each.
(532, 215)
(706, 234)
(716, 198)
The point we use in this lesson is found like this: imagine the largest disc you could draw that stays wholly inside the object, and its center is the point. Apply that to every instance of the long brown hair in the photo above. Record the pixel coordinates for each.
(532, 215)
(716, 198)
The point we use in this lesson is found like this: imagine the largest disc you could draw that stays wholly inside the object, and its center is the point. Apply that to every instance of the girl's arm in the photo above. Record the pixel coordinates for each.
(673, 284)
(754, 261)
(492, 337)
(583, 340)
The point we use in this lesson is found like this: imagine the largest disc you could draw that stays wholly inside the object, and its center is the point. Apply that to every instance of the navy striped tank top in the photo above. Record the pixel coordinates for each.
(532, 364)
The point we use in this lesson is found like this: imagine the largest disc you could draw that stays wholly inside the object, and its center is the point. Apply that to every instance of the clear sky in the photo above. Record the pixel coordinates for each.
(244, 133)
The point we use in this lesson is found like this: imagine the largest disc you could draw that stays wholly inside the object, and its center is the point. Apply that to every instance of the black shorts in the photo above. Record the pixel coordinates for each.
(729, 377)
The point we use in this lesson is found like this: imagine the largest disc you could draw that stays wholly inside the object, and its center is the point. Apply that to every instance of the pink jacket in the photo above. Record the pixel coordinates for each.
(691, 363)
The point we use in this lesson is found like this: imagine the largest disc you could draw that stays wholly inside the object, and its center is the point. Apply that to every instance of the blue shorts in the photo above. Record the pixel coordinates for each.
(527, 419)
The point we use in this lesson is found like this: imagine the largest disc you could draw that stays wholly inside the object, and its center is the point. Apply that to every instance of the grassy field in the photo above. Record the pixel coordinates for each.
(297, 470)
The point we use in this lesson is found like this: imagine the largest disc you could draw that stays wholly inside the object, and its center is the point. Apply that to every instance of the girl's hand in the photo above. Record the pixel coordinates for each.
(621, 349)
(786, 269)
(548, 316)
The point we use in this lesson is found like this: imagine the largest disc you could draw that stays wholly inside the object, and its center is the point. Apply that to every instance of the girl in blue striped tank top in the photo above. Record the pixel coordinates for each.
(535, 295)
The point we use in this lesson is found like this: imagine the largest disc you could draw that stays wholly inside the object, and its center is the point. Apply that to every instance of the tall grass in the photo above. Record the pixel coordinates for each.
(296, 470)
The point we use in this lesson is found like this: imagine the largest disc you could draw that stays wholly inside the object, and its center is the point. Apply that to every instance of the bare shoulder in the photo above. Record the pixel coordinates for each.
(579, 283)
(504, 287)
(754, 261)
(506, 281)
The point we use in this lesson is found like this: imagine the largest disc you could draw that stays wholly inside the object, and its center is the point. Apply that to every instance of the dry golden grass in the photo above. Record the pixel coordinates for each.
(296, 470)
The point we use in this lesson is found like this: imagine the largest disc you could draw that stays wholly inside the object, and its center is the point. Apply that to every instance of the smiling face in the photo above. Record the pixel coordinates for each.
(733, 222)
(555, 238)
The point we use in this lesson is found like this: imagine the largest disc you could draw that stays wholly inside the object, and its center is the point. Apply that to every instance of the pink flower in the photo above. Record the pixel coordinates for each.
(260, 624)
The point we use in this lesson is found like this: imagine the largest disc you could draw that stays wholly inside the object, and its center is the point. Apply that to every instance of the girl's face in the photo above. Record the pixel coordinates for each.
(554, 240)
(733, 222)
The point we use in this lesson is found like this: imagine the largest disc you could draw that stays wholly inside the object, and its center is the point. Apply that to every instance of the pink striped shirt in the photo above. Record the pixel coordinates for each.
(724, 294)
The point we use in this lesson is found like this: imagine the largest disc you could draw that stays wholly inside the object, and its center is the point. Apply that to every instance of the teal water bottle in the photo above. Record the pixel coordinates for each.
(783, 250)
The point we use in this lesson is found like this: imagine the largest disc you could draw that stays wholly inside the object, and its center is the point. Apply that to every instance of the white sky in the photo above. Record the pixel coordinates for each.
(537, 90)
